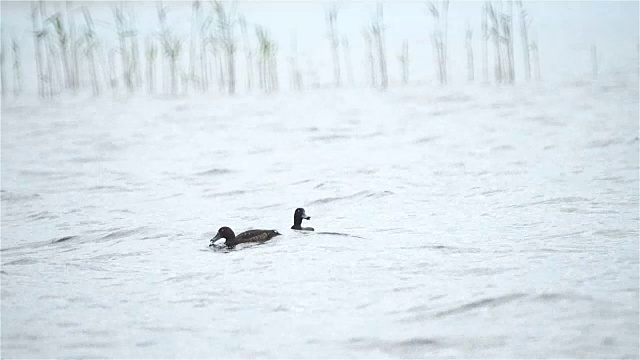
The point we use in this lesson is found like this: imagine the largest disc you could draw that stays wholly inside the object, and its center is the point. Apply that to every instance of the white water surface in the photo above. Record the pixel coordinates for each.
(472, 222)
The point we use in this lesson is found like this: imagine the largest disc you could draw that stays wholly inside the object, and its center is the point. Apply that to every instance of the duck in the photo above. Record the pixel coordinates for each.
(298, 215)
(231, 239)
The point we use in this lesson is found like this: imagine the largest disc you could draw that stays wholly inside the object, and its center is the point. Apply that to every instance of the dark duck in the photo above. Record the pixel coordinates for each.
(250, 236)
(297, 220)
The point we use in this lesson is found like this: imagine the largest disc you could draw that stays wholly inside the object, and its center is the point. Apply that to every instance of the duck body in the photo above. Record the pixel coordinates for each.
(298, 216)
(303, 228)
(250, 236)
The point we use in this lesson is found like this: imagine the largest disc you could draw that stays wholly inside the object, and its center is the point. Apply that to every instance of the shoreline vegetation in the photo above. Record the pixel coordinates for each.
(226, 53)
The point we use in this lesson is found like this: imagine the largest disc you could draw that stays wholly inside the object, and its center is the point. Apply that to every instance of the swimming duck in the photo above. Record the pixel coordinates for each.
(231, 239)
(297, 220)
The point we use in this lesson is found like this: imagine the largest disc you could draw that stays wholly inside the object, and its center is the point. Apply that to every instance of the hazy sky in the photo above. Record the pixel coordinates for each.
(564, 31)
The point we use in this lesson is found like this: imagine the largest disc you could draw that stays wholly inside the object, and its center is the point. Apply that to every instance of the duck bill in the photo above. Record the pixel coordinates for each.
(216, 238)
(305, 216)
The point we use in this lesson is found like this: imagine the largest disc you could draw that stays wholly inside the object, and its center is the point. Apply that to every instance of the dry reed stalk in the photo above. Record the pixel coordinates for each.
(334, 42)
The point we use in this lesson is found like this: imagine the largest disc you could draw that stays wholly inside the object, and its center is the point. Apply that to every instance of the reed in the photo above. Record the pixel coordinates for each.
(164, 39)
(368, 39)
(347, 60)
(3, 72)
(43, 71)
(113, 75)
(205, 43)
(267, 64)
(275, 81)
(151, 53)
(495, 35)
(136, 68)
(248, 52)
(212, 61)
(128, 46)
(218, 59)
(17, 68)
(469, 47)
(525, 24)
(192, 77)
(36, 46)
(485, 43)
(536, 60)
(440, 14)
(54, 75)
(123, 50)
(594, 61)
(227, 20)
(507, 25)
(63, 47)
(263, 52)
(295, 74)
(69, 53)
(501, 32)
(89, 45)
(312, 74)
(377, 29)
(102, 56)
(172, 47)
(508, 58)
(73, 47)
(185, 80)
(334, 42)
(403, 58)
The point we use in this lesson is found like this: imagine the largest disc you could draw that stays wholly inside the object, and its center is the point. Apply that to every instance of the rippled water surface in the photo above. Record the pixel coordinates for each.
(478, 222)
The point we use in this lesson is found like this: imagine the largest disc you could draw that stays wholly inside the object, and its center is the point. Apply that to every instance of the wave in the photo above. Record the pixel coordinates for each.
(326, 138)
(21, 261)
(544, 120)
(617, 233)
(11, 196)
(337, 234)
(226, 193)
(482, 303)
(109, 188)
(88, 159)
(604, 143)
(554, 201)
(42, 215)
(214, 171)
(493, 302)
(412, 347)
(453, 98)
(505, 147)
(426, 139)
(117, 234)
(38, 244)
(62, 239)
(360, 194)
(301, 182)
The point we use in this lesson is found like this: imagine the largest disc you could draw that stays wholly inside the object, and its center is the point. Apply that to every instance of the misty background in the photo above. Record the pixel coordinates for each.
(571, 38)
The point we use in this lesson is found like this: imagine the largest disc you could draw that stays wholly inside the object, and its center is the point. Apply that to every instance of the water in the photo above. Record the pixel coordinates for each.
(476, 222)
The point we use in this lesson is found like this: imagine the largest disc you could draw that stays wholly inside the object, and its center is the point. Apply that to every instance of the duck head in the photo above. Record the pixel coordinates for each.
(224, 233)
(297, 219)
(301, 214)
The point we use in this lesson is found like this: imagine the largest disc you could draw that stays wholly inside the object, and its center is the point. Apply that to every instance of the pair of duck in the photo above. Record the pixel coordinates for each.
(231, 239)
